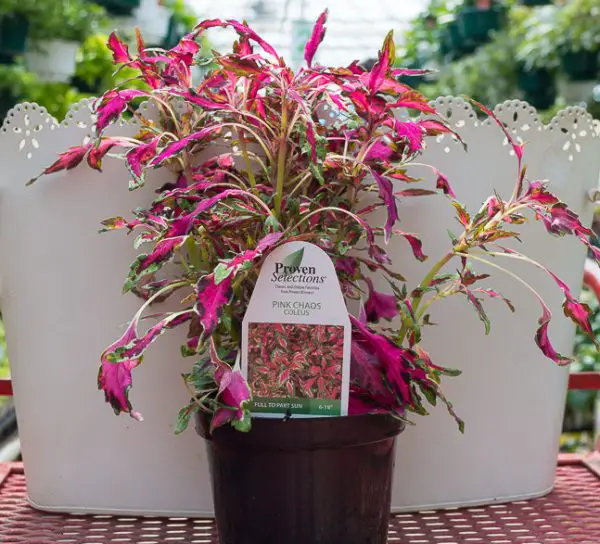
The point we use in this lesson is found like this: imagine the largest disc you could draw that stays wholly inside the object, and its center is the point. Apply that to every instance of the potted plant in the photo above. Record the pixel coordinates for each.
(253, 169)
(58, 30)
(577, 39)
(536, 54)
(119, 7)
(14, 27)
(477, 19)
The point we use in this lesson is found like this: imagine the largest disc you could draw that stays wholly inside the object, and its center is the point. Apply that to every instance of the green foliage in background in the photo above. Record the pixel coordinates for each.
(4, 371)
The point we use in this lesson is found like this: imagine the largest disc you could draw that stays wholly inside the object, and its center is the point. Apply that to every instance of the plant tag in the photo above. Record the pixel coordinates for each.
(296, 336)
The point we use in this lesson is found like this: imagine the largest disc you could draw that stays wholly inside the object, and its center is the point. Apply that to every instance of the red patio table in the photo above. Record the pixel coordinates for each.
(568, 515)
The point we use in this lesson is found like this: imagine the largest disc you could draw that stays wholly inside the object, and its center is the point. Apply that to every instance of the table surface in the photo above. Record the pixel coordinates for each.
(569, 515)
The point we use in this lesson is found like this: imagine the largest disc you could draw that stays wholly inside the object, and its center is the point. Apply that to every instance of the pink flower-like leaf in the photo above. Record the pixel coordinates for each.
(379, 305)
(415, 244)
(112, 105)
(212, 297)
(66, 161)
(316, 38)
(386, 193)
(443, 184)
(542, 340)
(177, 147)
(115, 380)
(412, 132)
(139, 157)
(382, 67)
(233, 394)
(99, 151)
(119, 49)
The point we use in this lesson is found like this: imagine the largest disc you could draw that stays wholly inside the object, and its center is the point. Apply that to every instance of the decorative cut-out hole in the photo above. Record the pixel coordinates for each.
(446, 149)
(566, 146)
(449, 113)
(515, 117)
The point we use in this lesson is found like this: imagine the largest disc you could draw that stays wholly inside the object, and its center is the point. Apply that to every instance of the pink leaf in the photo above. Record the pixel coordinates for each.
(382, 68)
(542, 340)
(98, 152)
(141, 155)
(386, 193)
(119, 49)
(66, 161)
(316, 38)
(379, 305)
(112, 104)
(176, 147)
(211, 300)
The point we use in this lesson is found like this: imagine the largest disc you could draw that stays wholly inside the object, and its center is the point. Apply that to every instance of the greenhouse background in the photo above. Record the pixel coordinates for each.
(53, 52)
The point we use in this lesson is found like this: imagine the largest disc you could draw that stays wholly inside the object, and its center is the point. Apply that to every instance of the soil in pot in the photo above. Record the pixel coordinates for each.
(303, 481)
(580, 65)
(14, 29)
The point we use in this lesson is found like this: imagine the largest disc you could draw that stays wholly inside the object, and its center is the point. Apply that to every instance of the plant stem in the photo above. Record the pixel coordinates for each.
(244, 149)
(424, 285)
(281, 160)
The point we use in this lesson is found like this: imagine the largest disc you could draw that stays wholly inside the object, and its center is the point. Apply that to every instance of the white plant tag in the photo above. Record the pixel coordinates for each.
(296, 336)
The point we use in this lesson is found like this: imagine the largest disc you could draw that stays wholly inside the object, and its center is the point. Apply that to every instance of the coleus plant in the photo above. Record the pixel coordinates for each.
(248, 166)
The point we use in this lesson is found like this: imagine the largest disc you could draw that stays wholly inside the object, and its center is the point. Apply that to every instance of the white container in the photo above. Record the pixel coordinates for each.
(511, 397)
(53, 60)
(61, 304)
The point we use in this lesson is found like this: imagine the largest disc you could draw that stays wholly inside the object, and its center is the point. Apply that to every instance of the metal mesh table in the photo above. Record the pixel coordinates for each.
(569, 515)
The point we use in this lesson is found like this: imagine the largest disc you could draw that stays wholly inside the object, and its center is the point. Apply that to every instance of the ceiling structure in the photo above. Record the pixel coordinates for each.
(356, 28)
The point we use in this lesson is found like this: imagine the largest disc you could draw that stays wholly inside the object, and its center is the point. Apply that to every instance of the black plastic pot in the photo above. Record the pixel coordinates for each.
(119, 7)
(476, 24)
(303, 481)
(14, 29)
(580, 65)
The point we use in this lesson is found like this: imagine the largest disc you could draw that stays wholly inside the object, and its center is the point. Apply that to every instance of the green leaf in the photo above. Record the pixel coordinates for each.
(272, 225)
(294, 260)
(183, 418)
(222, 272)
(316, 171)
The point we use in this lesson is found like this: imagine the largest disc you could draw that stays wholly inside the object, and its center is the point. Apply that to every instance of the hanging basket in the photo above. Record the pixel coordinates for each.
(53, 60)
(538, 86)
(580, 65)
(119, 7)
(14, 29)
(476, 24)
(454, 43)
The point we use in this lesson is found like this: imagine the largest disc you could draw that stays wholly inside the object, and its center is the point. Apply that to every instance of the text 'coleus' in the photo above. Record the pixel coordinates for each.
(247, 165)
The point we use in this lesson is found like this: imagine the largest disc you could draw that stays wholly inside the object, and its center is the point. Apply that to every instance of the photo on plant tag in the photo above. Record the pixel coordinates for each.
(295, 360)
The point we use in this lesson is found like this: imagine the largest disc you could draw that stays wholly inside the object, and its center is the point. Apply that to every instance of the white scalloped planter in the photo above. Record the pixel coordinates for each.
(60, 300)
(53, 60)
(511, 397)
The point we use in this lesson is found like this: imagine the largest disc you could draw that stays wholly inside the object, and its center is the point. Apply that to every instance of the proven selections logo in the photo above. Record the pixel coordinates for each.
(292, 271)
